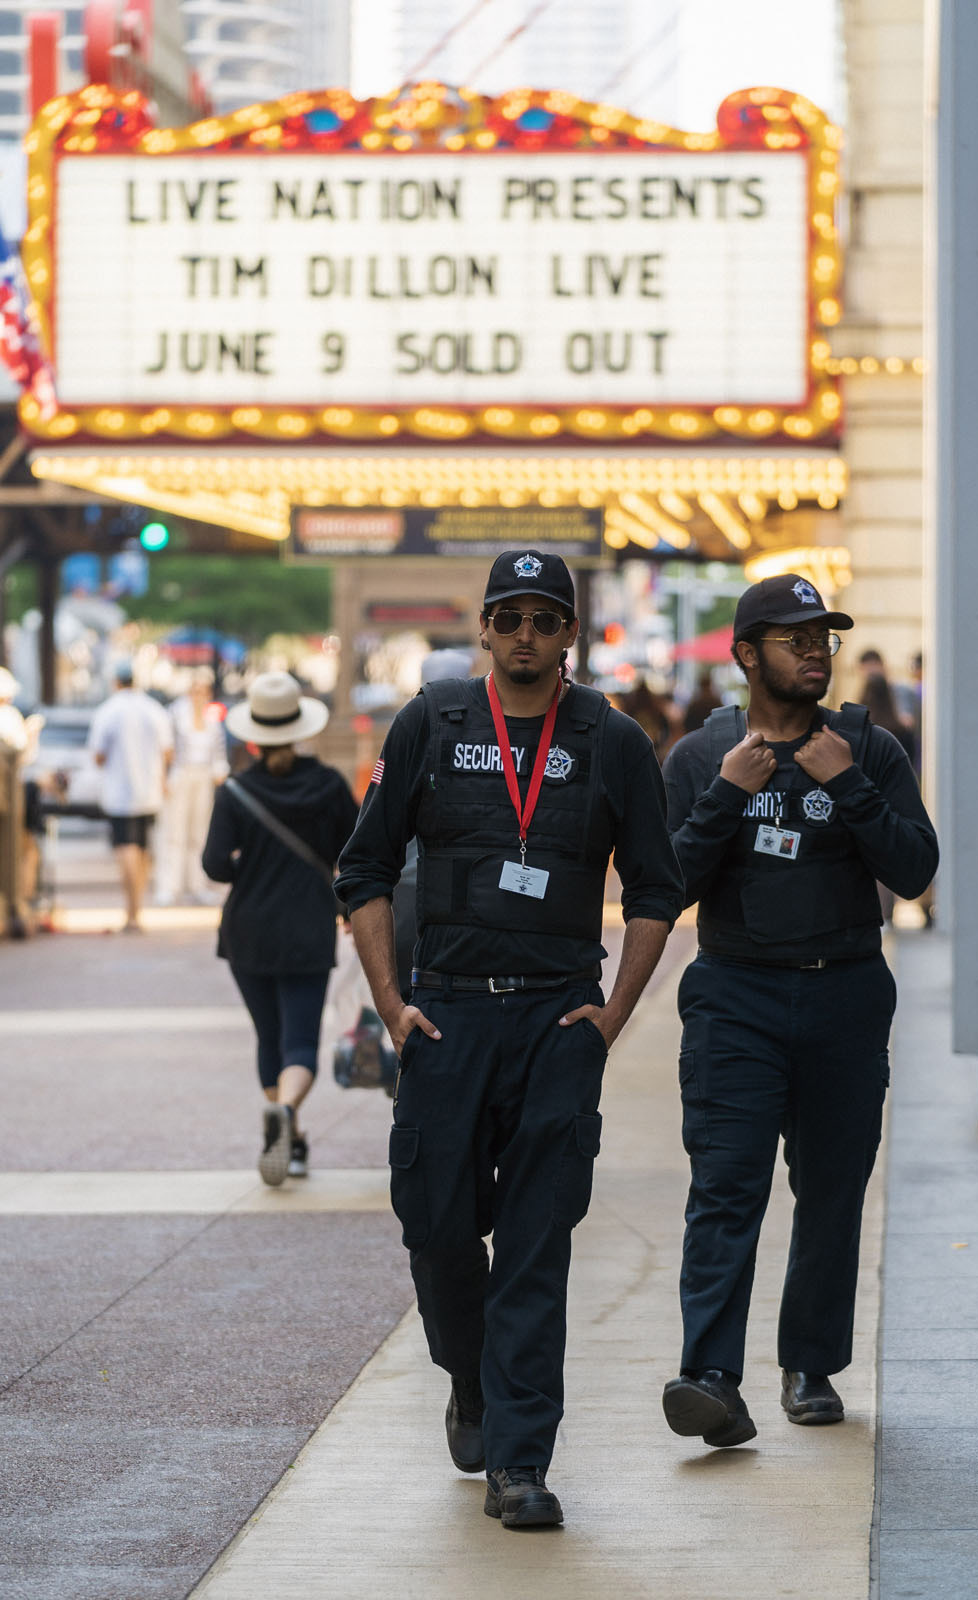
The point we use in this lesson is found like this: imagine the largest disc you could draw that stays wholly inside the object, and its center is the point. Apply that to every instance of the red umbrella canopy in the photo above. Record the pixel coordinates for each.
(713, 647)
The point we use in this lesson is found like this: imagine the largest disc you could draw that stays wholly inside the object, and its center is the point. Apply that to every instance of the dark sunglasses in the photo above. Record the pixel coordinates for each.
(549, 623)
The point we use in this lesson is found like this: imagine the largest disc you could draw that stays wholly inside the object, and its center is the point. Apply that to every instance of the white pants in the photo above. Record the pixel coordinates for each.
(185, 819)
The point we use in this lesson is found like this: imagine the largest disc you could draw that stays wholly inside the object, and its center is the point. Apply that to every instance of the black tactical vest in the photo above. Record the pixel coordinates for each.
(827, 895)
(467, 827)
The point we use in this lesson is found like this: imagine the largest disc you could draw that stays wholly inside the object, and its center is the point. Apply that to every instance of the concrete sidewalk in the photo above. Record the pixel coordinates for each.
(209, 1387)
(927, 1477)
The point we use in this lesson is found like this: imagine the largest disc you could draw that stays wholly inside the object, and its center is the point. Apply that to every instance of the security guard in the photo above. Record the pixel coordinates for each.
(519, 786)
(782, 828)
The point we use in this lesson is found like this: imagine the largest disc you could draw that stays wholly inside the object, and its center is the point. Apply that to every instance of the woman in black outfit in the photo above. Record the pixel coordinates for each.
(278, 928)
(879, 700)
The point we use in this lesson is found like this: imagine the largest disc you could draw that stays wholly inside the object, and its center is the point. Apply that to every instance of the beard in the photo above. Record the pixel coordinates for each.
(789, 693)
(523, 675)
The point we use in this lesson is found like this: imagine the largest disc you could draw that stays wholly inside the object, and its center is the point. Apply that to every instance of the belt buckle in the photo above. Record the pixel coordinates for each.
(494, 988)
(814, 966)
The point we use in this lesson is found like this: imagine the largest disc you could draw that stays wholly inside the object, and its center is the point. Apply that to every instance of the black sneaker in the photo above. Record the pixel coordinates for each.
(299, 1157)
(463, 1424)
(520, 1498)
(273, 1163)
(710, 1405)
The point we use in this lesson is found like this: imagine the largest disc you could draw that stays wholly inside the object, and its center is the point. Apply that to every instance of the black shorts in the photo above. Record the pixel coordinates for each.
(130, 830)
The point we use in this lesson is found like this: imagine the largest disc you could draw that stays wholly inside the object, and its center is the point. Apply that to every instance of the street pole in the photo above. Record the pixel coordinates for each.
(951, 702)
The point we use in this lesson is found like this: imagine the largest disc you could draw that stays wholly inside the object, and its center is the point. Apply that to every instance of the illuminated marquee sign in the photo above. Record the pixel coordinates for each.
(438, 265)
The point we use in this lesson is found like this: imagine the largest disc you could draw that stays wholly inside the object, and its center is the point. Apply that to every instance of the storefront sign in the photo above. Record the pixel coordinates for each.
(322, 533)
(415, 613)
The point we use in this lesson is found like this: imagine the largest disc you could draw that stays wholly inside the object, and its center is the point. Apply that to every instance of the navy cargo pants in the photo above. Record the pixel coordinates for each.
(769, 1051)
(496, 1128)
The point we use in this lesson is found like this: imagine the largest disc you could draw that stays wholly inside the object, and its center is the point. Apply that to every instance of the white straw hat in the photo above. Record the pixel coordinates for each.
(276, 713)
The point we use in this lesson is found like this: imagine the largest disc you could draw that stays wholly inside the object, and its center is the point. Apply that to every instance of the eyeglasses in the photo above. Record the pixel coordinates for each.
(807, 644)
(549, 623)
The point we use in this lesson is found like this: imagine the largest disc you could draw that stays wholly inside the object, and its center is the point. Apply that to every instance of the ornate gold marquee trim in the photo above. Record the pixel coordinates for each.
(719, 504)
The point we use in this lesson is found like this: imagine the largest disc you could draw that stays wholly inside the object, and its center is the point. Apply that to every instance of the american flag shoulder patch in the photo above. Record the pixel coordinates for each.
(378, 771)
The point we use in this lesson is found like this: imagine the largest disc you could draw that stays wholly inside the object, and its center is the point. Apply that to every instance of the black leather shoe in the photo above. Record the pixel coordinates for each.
(520, 1497)
(463, 1424)
(710, 1405)
(808, 1397)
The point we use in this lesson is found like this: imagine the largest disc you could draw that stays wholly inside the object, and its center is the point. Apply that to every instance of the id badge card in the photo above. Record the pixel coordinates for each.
(783, 842)
(520, 879)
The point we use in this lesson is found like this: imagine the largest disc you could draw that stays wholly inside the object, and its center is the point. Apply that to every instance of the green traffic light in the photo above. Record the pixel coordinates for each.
(154, 536)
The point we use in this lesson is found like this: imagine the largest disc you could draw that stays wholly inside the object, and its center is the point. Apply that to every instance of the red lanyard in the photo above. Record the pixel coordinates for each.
(524, 813)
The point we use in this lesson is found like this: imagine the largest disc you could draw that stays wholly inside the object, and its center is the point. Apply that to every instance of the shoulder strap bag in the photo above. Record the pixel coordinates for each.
(281, 831)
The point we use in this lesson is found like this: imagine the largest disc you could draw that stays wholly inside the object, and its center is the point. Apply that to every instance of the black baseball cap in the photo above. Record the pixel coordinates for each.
(786, 598)
(529, 572)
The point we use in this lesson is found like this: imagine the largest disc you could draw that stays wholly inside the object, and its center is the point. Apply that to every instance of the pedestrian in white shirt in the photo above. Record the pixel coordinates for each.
(132, 741)
(199, 764)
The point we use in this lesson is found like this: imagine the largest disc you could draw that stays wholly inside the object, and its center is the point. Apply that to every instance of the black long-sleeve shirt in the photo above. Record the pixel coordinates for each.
(886, 834)
(633, 794)
(280, 916)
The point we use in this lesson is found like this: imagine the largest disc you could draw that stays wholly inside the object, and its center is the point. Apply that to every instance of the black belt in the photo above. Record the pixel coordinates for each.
(795, 966)
(455, 980)
(813, 964)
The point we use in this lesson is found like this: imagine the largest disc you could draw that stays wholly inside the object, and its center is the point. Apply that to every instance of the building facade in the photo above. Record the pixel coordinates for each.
(15, 58)
(880, 341)
(244, 51)
(672, 60)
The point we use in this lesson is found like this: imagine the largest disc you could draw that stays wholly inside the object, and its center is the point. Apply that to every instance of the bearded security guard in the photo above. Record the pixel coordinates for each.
(519, 787)
(782, 828)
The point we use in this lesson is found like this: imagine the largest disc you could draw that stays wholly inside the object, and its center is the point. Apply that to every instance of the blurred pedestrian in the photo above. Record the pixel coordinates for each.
(912, 707)
(132, 741)
(13, 723)
(656, 713)
(879, 700)
(18, 738)
(702, 702)
(275, 833)
(909, 698)
(869, 663)
(199, 763)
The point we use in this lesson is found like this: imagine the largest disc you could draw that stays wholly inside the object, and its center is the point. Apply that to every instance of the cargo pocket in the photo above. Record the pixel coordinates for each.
(573, 1194)
(696, 1125)
(407, 1186)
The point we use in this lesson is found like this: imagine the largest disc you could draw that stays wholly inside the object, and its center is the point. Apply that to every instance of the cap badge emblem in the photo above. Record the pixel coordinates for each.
(528, 566)
(806, 594)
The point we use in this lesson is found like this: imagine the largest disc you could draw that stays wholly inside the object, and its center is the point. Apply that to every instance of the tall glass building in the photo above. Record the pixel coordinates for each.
(247, 50)
(15, 81)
